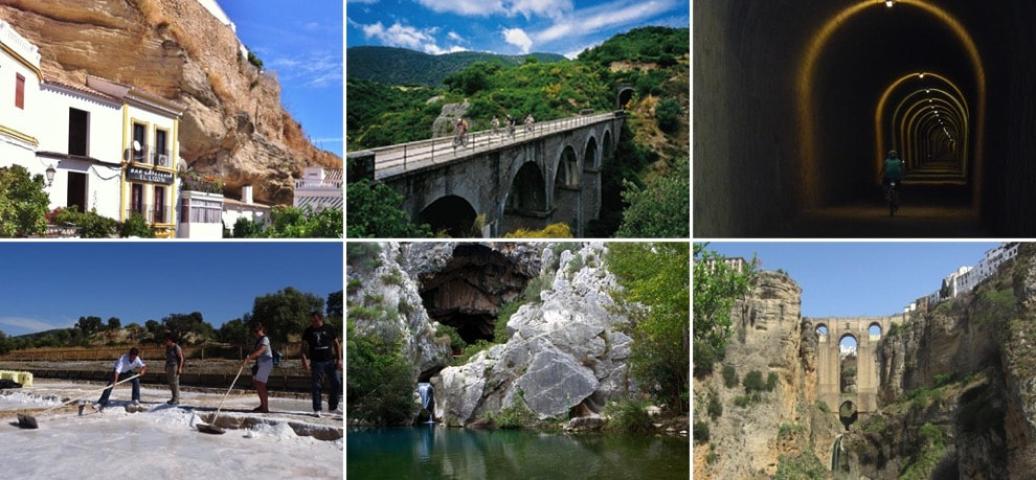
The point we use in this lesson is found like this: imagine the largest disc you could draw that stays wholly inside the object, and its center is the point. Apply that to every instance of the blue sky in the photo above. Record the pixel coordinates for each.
(504, 26)
(50, 285)
(847, 279)
(302, 42)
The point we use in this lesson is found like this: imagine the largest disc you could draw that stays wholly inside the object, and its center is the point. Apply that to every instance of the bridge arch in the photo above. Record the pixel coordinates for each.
(526, 202)
(822, 333)
(566, 169)
(874, 331)
(591, 154)
(452, 214)
(607, 147)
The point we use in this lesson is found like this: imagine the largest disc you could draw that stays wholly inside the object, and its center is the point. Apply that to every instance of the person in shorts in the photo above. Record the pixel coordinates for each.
(263, 356)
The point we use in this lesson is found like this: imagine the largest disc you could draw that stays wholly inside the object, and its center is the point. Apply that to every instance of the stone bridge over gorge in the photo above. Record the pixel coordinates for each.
(550, 173)
(830, 334)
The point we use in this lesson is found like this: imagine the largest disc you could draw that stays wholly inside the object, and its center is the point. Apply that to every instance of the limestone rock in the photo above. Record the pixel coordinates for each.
(565, 350)
(590, 423)
(447, 120)
(234, 125)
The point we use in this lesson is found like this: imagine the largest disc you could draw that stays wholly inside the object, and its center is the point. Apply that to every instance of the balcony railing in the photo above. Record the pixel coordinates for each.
(150, 156)
(152, 215)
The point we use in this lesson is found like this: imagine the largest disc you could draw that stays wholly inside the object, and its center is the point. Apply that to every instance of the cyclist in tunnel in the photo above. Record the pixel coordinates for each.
(893, 176)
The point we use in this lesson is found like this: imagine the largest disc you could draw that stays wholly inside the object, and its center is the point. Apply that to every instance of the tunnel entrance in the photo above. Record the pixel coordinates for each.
(468, 292)
(451, 215)
(845, 83)
(623, 97)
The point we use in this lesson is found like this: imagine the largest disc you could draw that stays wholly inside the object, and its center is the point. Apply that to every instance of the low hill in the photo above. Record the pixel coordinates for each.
(400, 66)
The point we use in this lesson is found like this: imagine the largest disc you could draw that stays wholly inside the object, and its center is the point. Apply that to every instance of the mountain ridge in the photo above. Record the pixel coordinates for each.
(403, 66)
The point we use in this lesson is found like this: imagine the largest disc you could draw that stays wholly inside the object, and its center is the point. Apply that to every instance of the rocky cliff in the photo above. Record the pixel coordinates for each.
(752, 429)
(566, 350)
(234, 125)
(958, 387)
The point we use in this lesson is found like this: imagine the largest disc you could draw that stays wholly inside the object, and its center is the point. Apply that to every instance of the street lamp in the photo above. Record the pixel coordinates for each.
(50, 175)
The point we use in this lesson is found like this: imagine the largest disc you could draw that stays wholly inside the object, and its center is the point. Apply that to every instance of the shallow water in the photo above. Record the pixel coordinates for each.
(433, 452)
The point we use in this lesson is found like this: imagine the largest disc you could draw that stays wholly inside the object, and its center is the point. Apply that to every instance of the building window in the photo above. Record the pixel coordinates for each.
(139, 138)
(19, 91)
(137, 200)
(78, 132)
(160, 205)
(161, 153)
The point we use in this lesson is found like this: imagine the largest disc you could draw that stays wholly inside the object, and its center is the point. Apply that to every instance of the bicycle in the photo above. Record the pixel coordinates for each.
(892, 198)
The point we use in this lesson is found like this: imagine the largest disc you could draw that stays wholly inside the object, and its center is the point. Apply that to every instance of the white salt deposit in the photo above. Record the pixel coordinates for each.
(163, 442)
(18, 399)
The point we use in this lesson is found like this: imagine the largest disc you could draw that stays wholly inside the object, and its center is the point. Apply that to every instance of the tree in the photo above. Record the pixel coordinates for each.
(335, 307)
(136, 226)
(655, 275)
(661, 209)
(23, 203)
(89, 325)
(668, 114)
(179, 325)
(379, 389)
(114, 323)
(245, 228)
(285, 312)
(153, 328)
(236, 331)
(375, 211)
(717, 285)
(4, 344)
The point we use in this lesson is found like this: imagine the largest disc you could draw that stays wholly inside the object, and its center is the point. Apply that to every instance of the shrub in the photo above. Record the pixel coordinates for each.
(668, 114)
(715, 408)
(456, 342)
(469, 351)
(516, 416)
(354, 285)
(629, 416)
(771, 381)
(943, 379)
(822, 406)
(753, 382)
(255, 60)
(554, 230)
(91, 225)
(729, 376)
(800, 467)
(789, 429)
(393, 278)
(701, 433)
(500, 334)
(23, 203)
(363, 256)
(136, 226)
(245, 228)
(743, 401)
(379, 388)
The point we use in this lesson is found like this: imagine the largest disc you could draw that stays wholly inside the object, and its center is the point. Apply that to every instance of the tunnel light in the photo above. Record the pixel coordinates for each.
(890, 3)
(921, 76)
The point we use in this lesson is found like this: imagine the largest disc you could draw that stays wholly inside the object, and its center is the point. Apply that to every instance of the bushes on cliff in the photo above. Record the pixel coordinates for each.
(717, 286)
(629, 416)
(379, 389)
(375, 211)
(804, 466)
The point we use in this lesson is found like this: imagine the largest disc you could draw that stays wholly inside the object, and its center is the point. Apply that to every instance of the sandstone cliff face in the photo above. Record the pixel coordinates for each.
(234, 125)
(770, 337)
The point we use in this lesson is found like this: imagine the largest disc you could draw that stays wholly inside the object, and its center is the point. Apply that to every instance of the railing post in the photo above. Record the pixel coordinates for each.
(404, 157)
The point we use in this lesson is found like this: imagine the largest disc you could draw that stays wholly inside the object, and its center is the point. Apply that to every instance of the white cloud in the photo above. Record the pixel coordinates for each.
(368, 2)
(316, 69)
(406, 36)
(613, 14)
(454, 36)
(510, 8)
(30, 325)
(518, 38)
(571, 55)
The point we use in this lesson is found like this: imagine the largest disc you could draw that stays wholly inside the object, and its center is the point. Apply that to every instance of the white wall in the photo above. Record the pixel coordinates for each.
(10, 116)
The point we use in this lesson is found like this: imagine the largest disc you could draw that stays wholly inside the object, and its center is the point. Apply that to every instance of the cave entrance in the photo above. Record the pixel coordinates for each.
(469, 291)
(847, 413)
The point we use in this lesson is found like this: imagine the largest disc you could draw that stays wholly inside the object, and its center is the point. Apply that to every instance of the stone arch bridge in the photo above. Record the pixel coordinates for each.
(829, 372)
(549, 173)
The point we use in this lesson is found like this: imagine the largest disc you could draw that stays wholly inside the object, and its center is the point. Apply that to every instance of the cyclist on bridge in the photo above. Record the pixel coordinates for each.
(528, 123)
(460, 131)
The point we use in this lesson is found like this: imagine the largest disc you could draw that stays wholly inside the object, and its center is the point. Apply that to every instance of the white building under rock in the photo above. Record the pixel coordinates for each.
(319, 188)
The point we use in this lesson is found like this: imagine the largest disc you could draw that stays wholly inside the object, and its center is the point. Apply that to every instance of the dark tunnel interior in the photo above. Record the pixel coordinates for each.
(797, 103)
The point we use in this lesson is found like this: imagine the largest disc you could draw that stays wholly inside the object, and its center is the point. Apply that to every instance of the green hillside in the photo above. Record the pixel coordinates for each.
(400, 66)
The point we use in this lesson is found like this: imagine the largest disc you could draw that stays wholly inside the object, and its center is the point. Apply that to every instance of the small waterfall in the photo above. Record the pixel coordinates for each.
(427, 393)
(836, 454)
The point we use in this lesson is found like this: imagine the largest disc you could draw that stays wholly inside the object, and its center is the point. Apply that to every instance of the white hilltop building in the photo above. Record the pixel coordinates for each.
(966, 278)
(319, 188)
(247, 208)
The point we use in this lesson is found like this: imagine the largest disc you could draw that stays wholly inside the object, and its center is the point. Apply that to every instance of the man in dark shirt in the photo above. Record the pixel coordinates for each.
(322, 356)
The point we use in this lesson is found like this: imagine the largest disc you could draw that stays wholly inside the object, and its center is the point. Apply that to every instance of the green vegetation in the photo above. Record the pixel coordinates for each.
(771, 381)
(399, 66)
(730, 379)
(716, 287)
(23, 203)
(923, 463)
(715, 408)
(554, 230)
(136, 226)
(787, 430)
(994, 306)
(800, 467)
(655, 275)
(379, 389)
(90, 224)
(255, 60)
(753, 382)
(375, 211)
(659, 209)
(285, 312)
(470, 350)
(822, 406)
(457, 343)
(875, 424)
(744, 401)
(647, 173)
(363, 256)
(629, 416)
(293, 222)
(516, 416)
(701, 433)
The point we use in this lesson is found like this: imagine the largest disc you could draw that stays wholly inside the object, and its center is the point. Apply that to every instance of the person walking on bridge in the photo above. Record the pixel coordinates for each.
(529, 123)
(496, 125)
(460, 131)
(511, 124)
